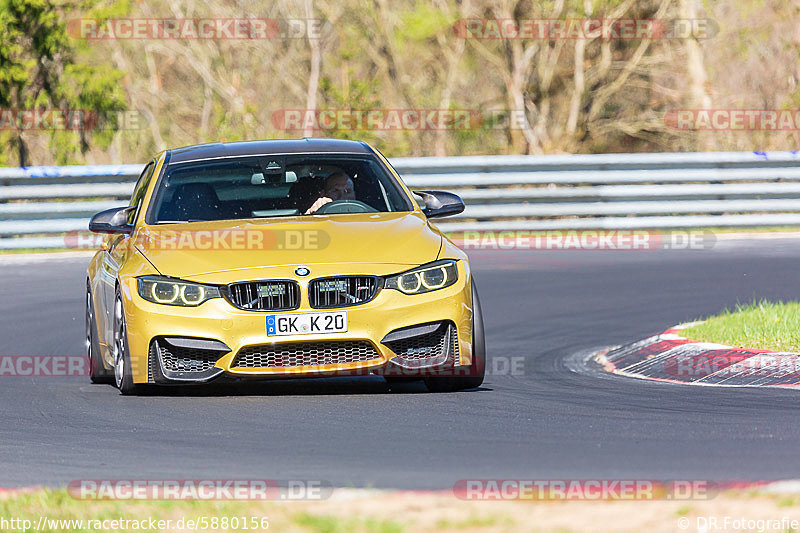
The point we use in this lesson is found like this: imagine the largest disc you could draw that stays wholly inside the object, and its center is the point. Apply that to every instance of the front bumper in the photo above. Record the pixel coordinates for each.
(152, 327)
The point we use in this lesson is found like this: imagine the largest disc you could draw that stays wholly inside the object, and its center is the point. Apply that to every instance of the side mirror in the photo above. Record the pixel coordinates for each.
(112, 221)
(440, 203)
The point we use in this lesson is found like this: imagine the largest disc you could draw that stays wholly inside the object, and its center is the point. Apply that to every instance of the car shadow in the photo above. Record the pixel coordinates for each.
(293, 387)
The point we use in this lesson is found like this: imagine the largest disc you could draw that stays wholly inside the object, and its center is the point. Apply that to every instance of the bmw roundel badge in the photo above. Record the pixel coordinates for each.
(302, 271)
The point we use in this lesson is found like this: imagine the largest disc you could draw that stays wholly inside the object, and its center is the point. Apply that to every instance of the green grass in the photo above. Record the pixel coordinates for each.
(332, 524)
(476, 522)
(58, 504)
(762, 325)
(424, 513)
(684, 510)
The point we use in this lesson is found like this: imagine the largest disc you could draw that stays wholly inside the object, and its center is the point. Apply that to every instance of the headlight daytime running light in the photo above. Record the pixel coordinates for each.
(426, 278)
(170, 291)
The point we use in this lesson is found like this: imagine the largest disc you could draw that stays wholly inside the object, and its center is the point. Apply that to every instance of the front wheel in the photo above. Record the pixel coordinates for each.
(97, 371)
(477, 369)
(123, 376)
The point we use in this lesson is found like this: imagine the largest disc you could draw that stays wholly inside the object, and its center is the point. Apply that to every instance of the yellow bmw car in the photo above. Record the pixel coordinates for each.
(280, 259)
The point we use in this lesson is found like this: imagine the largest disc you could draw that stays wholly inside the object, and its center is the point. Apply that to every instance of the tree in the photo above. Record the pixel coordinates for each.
(40, 71)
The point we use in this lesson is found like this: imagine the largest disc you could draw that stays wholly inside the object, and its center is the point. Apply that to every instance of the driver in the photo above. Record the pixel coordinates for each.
(338, 186)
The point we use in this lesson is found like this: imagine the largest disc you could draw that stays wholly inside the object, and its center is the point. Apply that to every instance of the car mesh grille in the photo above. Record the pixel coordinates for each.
(152, 359)
(175, 359)
(341, 291)
(437, 343)
(295, 354)
(273, 295)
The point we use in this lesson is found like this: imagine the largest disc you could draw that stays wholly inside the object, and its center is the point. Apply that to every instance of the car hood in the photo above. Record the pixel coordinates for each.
(191, 250)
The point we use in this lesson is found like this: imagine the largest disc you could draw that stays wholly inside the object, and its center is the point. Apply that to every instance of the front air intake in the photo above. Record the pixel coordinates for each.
(296, 354)
(341, 291)
(268, 295)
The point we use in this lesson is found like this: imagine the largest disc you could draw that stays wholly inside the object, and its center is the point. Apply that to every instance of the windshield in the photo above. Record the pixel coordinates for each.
(275, 186)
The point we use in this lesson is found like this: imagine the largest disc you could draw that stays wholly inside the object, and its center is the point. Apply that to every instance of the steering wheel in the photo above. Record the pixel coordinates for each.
(345, 206)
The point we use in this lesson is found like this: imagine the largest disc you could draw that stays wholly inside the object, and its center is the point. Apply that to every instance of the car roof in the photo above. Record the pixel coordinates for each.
(278, 146)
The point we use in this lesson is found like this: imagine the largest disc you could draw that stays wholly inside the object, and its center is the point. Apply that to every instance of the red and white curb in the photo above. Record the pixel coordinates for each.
(672, 358)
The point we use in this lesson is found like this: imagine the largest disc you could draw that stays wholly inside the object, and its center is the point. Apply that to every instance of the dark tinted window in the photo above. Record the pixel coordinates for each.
(260, 187)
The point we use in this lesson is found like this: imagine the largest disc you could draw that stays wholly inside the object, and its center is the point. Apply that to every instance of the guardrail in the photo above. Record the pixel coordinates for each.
(609, 191)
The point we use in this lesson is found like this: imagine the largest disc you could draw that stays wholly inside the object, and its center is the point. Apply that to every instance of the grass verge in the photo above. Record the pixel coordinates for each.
(397, 512)
(760, 325)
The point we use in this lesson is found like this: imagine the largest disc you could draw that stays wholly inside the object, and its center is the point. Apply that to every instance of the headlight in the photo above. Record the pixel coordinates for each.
(170, 291)
(426, 278)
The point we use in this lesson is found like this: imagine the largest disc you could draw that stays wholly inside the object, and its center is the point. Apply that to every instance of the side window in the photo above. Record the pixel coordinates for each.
(139, 190)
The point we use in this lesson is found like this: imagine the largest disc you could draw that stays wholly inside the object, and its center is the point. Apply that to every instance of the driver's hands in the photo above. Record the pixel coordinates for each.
(316, 205)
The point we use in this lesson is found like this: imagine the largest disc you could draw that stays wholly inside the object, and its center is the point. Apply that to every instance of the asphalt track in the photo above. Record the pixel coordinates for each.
(553, 418)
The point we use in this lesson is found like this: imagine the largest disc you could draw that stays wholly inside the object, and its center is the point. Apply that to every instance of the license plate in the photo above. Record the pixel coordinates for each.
(306, 323)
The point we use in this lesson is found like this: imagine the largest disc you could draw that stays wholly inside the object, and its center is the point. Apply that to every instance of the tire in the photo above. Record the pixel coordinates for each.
(123, 376)
(97, 371)
(477, 369)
